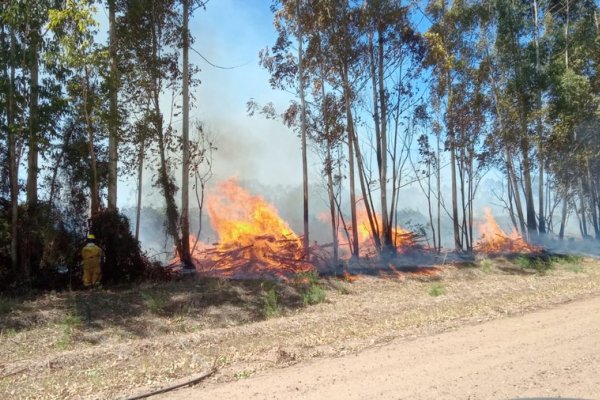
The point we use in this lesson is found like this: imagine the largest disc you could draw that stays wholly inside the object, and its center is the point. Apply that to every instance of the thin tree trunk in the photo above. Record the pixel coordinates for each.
(584, 230)
(12, 162)
(529, 203)
(32, 157)
(303, 128)
(515, 190)
(351, 138)
(386, 227)
(539, 124)
(563, 219)
(94, 187)
(164, 178)
(185, 223)
(113, 123)
(138, 211)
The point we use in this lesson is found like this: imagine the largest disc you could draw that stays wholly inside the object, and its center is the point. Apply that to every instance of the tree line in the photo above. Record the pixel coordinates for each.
(396, 92)
(386, 92)
(77, 112)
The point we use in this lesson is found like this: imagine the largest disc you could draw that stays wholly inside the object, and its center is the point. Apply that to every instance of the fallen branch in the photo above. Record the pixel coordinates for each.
(13, 373)
(189, 382)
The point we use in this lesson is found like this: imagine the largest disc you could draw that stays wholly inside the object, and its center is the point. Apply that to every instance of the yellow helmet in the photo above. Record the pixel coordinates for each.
(91, 236)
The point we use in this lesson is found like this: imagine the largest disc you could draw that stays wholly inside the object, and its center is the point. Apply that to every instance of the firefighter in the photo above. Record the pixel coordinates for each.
(92, 255)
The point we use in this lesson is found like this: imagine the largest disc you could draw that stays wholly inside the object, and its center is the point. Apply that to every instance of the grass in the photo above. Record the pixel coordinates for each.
(271, 307)
(539, 265)
(67, 326)
(7, 305)
(155, 301)
(436, 290)
(315, 294)
(486, 265)
(311, 290)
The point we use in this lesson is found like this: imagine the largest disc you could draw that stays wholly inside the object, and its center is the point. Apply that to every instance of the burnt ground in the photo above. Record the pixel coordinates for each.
(120, 341)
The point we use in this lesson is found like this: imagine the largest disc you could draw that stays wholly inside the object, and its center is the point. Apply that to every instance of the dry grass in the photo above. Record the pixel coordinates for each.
(109, 343)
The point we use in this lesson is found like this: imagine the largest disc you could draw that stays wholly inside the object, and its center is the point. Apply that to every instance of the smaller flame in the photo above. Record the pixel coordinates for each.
(495, 240)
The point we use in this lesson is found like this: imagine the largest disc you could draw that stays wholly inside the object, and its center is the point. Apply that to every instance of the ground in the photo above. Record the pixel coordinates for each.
(546, 354)
(118, 342)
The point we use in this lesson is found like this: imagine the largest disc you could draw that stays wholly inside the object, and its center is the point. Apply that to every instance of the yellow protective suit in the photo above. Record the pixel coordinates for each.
(92, 273)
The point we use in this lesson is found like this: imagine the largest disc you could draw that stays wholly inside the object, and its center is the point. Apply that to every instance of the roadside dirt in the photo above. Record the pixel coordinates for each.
(546, 354)
(115, 343)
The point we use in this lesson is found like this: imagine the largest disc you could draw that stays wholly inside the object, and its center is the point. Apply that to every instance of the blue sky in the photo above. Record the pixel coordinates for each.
(231, 33)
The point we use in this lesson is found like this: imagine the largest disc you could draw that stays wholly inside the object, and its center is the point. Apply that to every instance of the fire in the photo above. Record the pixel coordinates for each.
(253, 239)
(495, 240)
(404, 240)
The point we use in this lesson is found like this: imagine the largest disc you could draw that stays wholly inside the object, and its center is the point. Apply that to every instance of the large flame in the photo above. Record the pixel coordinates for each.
(404, 240)
(253, 239)
(495, 240)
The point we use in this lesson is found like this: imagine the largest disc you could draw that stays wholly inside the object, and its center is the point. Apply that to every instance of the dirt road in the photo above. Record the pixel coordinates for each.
(550, 353)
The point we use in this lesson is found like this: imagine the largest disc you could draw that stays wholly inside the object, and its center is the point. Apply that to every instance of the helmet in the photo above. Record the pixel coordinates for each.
(91, 236)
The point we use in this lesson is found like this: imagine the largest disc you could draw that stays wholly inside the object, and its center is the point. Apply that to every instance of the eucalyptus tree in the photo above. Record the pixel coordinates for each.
(460, 82)
(288, 71)
(74, 25)
(149, 34)
(574, 104)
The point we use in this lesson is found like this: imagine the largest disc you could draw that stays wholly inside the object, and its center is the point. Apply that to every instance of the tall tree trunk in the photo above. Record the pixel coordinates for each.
(12, 162)
(138, 211)
(303, 129)
(514, 186)
(563, 218)
(539, 123)
(32, 157)
(386, 227)
(164, 179)
(94, 186)
(584, 230)
(185, 223)
(350, 131)
(113, 123)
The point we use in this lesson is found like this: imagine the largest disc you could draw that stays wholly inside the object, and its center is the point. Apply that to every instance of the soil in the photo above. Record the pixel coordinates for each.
(115, 343)
(547, 354)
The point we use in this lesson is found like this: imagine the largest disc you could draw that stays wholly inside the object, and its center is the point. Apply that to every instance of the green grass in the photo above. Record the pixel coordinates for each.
(315, 294)
(436, 290)
(67, 326)
(7, 305)
(486, 265)
(270, 300)
(540, 265)
(155, 301)
(311, 290)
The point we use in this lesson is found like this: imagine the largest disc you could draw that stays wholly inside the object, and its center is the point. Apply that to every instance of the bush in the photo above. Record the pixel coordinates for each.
(123, 259)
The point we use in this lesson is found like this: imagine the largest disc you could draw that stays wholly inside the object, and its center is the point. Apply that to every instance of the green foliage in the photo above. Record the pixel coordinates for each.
(271, 307)
(155, 300)
(7, 304)
(310, 287)
(486, 265)
(67, 325)
(436, 290)
(314, 294)
(124, 260)
(538, 264)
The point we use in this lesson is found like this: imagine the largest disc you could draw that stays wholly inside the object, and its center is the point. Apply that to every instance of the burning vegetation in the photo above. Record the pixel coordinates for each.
(253, 239)
(255, 242)
(495, 240)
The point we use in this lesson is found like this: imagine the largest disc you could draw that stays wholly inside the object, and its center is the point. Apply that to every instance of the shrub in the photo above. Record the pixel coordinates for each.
(271, 306)
(436, 290)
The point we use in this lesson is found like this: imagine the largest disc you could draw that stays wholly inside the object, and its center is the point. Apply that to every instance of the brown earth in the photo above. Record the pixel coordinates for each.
(118, 342)
(546, 354)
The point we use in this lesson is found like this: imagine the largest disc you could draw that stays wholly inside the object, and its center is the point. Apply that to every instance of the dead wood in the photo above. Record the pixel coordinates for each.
(188, 382)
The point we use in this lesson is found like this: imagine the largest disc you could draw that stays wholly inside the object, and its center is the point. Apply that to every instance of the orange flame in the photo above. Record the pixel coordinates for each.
(495, 240)
(404, 240)
(253, 239)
